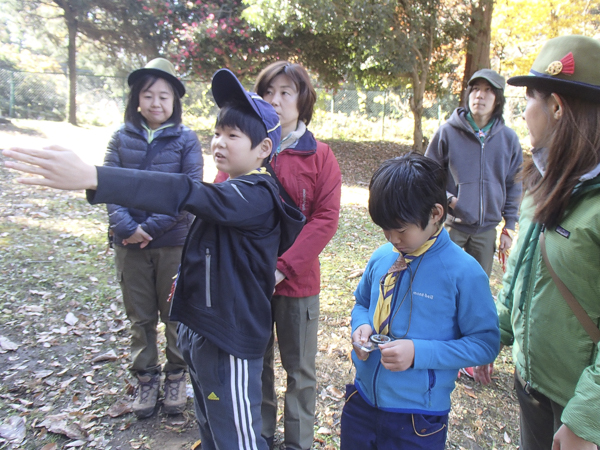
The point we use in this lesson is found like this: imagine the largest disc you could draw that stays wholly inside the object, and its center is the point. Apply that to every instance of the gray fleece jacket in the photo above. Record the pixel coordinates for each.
(480, 175)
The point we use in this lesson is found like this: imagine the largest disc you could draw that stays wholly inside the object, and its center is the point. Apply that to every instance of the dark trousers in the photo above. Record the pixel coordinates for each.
(367, 428)
(540, 417)
(227, 394)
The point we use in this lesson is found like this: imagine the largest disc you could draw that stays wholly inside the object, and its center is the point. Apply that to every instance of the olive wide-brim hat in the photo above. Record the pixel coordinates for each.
(159, 67)
(568, 65)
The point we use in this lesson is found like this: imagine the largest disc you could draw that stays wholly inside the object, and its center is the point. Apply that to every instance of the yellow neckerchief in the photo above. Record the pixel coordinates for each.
(381, 317)
(152, 132)
(259, 171)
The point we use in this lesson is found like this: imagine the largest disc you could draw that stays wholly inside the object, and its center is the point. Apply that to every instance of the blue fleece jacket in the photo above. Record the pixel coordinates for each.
(448, 312)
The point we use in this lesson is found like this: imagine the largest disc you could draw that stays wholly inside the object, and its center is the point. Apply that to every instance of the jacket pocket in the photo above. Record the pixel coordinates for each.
(468, 203)
(426, 426)
(207, 280)
(313, 309)
(350, 392)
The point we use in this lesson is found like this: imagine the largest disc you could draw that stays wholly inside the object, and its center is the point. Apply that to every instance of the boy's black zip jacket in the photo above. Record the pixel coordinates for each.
(227, 273)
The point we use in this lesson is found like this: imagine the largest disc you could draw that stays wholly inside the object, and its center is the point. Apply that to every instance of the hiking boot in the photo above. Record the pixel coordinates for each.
(146, 395)
(175, 393)
(468, 371)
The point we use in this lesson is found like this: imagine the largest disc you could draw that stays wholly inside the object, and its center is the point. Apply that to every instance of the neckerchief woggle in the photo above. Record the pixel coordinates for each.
(387, 285)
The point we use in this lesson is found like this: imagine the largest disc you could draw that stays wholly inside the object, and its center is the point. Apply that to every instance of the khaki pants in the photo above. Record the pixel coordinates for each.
(297, 323)
(480, 246)
(146, 277)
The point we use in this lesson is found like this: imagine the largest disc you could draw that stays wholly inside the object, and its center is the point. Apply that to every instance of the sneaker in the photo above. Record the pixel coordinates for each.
(175, 393)
(146, 395)
(468, 371)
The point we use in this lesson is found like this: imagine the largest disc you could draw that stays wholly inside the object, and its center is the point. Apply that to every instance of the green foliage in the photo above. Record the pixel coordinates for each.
(206, 36)
(384, 44)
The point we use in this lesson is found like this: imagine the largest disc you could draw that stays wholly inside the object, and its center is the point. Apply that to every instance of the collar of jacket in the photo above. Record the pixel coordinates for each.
(175, 130)
(307, 145)
(459, 120)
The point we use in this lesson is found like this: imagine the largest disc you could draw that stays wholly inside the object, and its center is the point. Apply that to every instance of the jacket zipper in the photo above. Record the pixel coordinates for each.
(481, 186)
(535, 262)
(375, 382)
(432, 379)
(303, 199)
(392, 308)
(208, 299)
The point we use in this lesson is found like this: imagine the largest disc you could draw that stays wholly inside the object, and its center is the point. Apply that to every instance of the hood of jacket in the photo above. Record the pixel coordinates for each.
(458, 120)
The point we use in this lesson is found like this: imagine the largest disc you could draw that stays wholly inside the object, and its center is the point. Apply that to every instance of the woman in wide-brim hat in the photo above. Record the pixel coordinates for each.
(148, 246)
(557, 358)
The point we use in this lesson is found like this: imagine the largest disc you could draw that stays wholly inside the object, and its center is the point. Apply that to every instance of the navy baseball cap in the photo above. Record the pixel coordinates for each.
(227, 88)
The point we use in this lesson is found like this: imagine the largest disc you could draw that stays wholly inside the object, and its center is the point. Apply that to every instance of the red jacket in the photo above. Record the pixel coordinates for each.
(311, 176)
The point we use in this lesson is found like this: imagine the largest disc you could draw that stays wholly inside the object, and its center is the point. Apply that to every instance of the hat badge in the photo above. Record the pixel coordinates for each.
(565, 66)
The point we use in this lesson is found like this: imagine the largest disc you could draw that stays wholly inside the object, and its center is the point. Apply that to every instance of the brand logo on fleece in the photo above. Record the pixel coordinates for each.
(564, 233)
(421, 294)
(213, 396)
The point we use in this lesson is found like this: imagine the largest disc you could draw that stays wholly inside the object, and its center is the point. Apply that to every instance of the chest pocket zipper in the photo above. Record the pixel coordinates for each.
(208, 299)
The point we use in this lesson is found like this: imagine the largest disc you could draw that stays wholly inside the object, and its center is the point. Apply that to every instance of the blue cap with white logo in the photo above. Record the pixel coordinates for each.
(227, 88)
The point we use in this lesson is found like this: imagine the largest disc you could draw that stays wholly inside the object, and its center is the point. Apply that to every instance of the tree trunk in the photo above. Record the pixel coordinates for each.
(478, 41)
(416, 106)
(71, 20)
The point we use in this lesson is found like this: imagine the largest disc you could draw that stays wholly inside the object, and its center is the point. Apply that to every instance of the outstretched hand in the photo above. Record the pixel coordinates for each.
(56, 166)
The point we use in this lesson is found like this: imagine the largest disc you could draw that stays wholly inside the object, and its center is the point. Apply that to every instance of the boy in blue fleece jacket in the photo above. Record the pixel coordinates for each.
(429, 299)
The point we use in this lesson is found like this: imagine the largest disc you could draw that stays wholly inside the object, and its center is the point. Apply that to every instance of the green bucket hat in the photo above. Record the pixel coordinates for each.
(161, 68)
(568, 65)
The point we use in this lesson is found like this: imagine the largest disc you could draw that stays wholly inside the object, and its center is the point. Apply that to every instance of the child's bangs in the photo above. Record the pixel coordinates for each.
(245, 120)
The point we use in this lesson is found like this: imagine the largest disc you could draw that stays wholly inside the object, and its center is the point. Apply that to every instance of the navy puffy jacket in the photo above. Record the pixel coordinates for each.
(127, 148)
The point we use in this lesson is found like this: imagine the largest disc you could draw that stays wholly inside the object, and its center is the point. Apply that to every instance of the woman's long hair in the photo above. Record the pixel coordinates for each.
(574, 150)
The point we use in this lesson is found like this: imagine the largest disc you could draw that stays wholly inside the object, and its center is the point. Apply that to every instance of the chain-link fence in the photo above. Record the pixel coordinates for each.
(344, 113)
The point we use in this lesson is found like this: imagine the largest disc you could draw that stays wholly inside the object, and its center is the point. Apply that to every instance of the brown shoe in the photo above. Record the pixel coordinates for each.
(146, 395)
(175, 393)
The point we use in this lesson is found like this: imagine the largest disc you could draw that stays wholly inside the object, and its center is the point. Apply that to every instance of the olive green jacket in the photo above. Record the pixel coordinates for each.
(551, 349)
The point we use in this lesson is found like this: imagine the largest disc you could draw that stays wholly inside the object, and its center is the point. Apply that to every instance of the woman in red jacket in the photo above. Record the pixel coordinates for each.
(311, 176)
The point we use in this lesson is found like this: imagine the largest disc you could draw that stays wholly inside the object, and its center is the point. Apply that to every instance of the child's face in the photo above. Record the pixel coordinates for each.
(283, 96)
(540, 119)
(409, 238)
(482, 99)
(233, 153)
(156, 103)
